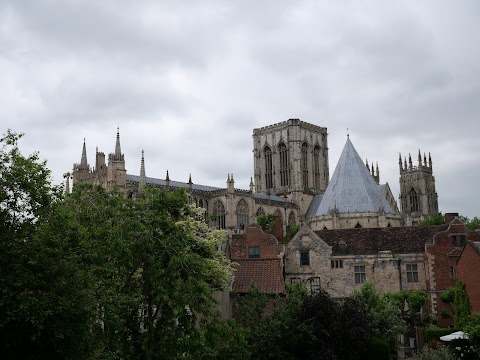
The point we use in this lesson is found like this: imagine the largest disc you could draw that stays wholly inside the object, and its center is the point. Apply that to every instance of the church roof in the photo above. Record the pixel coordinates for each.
(175, 184)
(352, 187)
(398, 240)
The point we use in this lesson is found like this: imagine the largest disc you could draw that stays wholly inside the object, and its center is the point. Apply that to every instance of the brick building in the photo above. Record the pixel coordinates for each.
(468, 272)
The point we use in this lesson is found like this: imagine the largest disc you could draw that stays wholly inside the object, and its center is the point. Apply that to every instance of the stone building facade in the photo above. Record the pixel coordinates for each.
(291, 173)
(427, 258)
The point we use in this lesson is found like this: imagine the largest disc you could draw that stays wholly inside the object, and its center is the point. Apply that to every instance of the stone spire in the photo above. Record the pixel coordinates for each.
(405, 163)
(167, 181)
(190, 183)
(410, 165)
(83, 162)
(425, 160)
(251, 185)
(429, 160)
(419, 158)
(373, 170)
(378, 172)
(67, 180)
(400, 162)
(366, 164)
(118, 151)
(143, 178)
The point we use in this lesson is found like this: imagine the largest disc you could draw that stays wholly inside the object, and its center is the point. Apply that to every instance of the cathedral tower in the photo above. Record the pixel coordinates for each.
(291, 156)
(81, 172)
(418, 198)
(116, 167)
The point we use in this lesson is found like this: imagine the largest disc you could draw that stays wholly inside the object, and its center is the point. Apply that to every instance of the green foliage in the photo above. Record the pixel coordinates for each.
(305, 326)
(461, 306)
(101, 276)
(435, 219)
(441, 353)
(293, 228)
(472, 329)
(378, 349)
(472, 224)
(384, 316)
(414, 301)
(267, 222)
(458, 296)
(448, 296)
(433, 333)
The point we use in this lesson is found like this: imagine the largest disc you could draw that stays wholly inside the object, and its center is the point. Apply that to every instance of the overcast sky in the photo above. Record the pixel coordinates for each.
(188, 81)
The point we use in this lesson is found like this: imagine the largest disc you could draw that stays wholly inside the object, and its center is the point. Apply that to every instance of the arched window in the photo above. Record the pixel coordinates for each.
(260, 211)
(413, 200)
(316, 167)
(282, 149)
(218, 213)
(291, 218)
(305, 164)
(200, 203)
(268, 168)
(242, 214)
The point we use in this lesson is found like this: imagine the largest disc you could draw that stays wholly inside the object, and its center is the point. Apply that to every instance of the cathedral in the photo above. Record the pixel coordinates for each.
(291, 179)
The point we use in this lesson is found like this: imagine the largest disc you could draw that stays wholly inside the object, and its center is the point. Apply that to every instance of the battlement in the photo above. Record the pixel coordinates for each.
(290, 122)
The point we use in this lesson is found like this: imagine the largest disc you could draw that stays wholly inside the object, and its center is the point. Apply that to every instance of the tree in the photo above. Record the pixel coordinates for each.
(26, 200)
(153, 266)
(267, 222)
(457, 297)
(96, 275)
(385, 320)
(435, 219)
(472, 224)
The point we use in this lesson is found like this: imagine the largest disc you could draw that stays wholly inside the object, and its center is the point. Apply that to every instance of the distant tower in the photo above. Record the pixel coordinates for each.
(291, 156)
(81, 172)
(418, 198)
(116, 175)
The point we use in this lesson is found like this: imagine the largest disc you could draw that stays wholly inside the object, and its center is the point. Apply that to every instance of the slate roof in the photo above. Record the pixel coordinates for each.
(265, 274)
(369, 241)
(161, 182)
(352, 187)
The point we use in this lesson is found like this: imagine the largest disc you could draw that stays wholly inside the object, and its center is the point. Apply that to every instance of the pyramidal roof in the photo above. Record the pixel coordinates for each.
(352, 187)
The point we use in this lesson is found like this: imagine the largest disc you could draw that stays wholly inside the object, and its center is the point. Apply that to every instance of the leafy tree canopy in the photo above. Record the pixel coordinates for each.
(471, 224)
(435, 219)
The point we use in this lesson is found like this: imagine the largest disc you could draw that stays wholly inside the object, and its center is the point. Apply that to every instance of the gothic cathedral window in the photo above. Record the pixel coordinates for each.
(305, 164)
(242, 214)
(282, 149)
(413, 200)
(316, 162)
(218, 214)
(268, 168)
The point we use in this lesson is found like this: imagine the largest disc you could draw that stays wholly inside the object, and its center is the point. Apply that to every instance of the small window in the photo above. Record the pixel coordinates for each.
(463, 240)
(254, 252)
(412, 273)
(295, 280)
(452, 272)
(336, 264)
(315, 284)
(360, 275)
(454, 240)
(304, 258)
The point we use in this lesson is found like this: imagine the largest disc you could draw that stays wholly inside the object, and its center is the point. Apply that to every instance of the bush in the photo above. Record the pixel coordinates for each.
(441, 353)
(435, 333)
(378, 349)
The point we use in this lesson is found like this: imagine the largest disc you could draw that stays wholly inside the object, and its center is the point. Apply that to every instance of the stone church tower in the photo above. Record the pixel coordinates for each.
(418, 198)
(291, 160)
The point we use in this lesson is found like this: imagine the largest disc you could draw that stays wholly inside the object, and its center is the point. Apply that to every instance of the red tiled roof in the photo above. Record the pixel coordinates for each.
(265, 274)
(398, 240)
